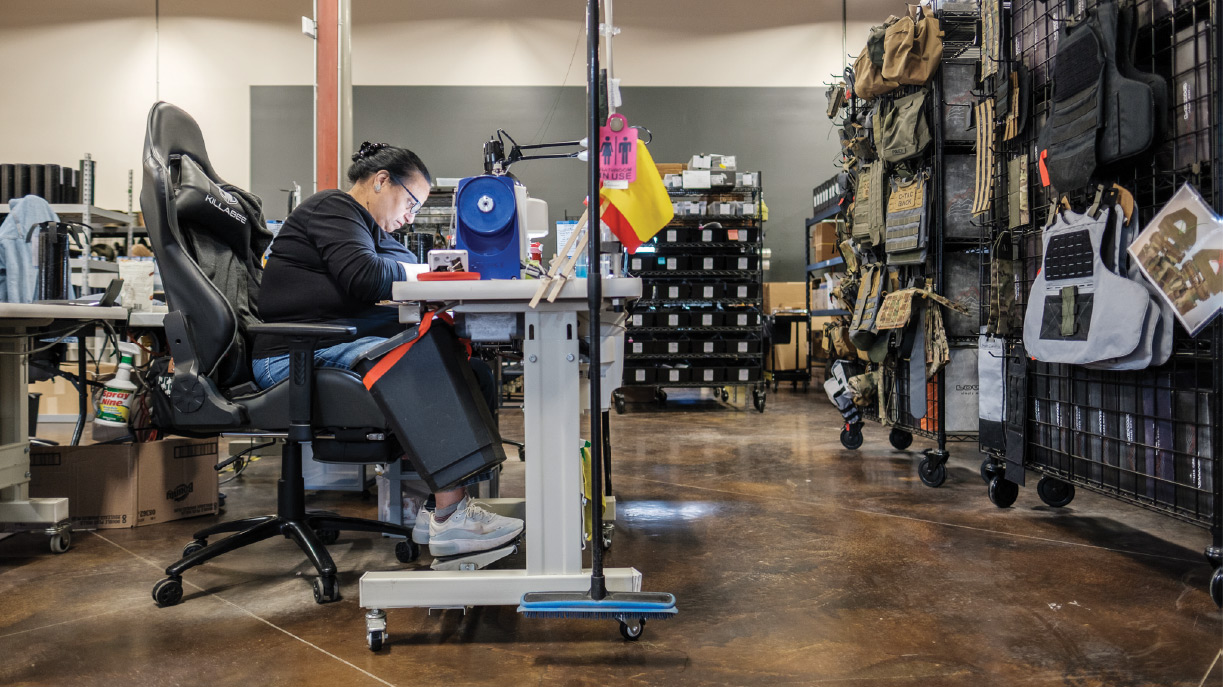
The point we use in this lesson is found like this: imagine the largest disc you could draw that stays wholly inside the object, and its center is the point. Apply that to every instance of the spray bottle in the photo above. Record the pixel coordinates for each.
(116, 406)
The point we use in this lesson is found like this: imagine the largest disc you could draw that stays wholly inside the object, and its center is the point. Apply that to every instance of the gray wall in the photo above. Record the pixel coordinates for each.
(780, 131)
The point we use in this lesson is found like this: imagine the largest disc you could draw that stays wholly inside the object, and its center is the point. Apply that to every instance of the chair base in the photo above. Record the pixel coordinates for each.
(309, 532)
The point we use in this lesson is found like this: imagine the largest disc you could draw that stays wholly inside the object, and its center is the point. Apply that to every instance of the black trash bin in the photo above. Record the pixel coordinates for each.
(425, 387)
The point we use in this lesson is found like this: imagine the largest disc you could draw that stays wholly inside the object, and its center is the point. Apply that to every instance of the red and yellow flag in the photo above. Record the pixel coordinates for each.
(639, 212)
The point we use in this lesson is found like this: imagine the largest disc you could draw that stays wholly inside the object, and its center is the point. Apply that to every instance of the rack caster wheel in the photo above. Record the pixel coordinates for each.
(375, 639)
(932, 475)
(1216, 587)
(851, 440)
(988, 470)
(326, 590)
(168, 591)
(194, 546)
(406, 551)
(61, 541)
(621, 406)
(900, 439)
(1001, 492)
(328, 537)
(758, 398)
(1055, 492)
(725, 395)
(632, 631)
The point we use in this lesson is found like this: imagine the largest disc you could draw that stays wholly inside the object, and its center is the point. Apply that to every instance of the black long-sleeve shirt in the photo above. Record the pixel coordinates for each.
(330, 264)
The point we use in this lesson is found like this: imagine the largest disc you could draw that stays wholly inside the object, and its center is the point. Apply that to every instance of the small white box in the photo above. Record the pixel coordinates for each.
(696, 178)
(447, 261)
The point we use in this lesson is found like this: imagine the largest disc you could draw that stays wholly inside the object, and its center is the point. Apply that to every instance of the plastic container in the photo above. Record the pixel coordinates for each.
(116, 406)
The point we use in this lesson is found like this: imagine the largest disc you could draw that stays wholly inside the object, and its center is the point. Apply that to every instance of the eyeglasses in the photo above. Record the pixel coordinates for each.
(416, 204)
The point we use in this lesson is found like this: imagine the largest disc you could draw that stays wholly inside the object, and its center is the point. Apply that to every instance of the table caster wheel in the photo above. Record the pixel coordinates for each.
(194, 546)
(168, 591)
(61, 541)
(326, 590)
(621, 405)
(758, 399)
(406, 551)
(725, 395)
(932, 475)
(375, 640)
(1216, 587)
(1055, 492)
(988, 470)
(632, 630)
(1001, 492)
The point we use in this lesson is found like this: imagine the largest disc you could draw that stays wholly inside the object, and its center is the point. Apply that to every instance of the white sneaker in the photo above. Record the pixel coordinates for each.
(471, 528)
(420, 530)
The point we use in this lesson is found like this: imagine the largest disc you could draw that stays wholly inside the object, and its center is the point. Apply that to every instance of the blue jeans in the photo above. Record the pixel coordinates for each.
(270, 371)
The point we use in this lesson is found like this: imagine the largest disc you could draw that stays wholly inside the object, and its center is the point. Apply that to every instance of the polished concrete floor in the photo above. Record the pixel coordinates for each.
(795, 562)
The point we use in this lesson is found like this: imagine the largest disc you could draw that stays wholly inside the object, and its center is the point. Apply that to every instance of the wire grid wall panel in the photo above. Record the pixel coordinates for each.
(1147, 437)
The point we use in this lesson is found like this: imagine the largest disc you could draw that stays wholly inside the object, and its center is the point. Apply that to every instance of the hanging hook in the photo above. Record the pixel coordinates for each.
(649, 134)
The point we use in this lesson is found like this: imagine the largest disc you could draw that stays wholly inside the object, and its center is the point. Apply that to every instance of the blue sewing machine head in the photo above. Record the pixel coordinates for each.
(491, 213)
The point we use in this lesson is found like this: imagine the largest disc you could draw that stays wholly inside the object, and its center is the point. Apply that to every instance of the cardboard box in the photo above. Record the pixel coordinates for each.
(665, 168)
(824, 242)
(113, 486)
(785, 295)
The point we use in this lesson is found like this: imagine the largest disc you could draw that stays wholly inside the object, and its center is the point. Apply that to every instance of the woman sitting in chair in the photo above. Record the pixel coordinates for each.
(332, 262)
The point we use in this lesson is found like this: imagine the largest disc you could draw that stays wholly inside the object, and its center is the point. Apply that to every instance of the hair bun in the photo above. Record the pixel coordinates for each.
(368, 150)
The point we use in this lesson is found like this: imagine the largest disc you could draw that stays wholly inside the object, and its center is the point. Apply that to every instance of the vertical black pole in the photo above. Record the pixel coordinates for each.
(594, 296)
(1217, 351)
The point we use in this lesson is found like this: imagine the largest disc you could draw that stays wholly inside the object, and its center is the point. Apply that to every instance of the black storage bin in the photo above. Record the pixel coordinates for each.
(672, 263)
(708, 347)
(637, 346)
(742, 374)
(674, 235)
(708, 374)
(639, 375)
(432, 401)
(741, 234)
(704, 318)
(673, 348)
(709, 235)
(742, 290)
(742, 347)
(642, 263)
(705, 291)
(673, 375)
(707, 262)
(741, 262)
(642, 320)
(671, 292)
(674, 318)
(742, 319)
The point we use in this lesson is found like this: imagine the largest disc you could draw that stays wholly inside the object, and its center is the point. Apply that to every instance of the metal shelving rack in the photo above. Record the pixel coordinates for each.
(829, 200)
(961, 27)
(1148, 437)
(737, 357)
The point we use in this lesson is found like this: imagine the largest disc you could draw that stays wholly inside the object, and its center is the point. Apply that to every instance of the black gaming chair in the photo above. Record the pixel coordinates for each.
(209, 239)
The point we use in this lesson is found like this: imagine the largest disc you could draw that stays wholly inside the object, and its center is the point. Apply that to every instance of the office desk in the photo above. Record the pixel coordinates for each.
(552, 415)
(19, 512)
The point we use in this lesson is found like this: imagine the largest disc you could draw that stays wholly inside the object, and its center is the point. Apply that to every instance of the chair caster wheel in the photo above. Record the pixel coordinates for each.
(851, 440)
(326, 590)
(168, 591)
(406, 551)
(632, 631)
(328, 537)
(194, 546)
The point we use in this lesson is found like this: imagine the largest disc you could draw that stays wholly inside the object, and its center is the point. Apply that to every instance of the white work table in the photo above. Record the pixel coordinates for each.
(19, 322)
(552, 417)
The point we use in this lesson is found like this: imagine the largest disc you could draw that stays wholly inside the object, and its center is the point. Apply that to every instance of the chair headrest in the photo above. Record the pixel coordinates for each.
(199, 199)
(171, 131)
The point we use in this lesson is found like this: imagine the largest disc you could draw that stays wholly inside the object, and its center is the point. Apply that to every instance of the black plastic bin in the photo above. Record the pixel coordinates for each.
(432, 401)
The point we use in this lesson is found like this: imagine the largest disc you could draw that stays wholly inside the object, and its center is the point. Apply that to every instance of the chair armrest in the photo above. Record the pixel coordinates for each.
(314, 331)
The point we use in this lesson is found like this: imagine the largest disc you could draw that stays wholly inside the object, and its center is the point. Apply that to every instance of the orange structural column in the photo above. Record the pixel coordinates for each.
(327, 102)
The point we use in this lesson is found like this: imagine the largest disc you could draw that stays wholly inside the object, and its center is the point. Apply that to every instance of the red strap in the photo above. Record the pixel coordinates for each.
(388, 361)
(1044, 171)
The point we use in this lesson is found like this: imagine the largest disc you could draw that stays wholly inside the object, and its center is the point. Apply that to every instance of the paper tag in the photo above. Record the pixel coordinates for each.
(743, 375)
(673, 320)
(708, 347)
(671, 236)
(672, 292)
(640, 375)
(732, 235)
(708, 292)
(617, 152)
(673, 347)
(708, 375)
(618, 184)
(671, 264)
(696, 178)
(638, 347)
(673, 375)
(706, 234)
(742, 347)
(707, 263)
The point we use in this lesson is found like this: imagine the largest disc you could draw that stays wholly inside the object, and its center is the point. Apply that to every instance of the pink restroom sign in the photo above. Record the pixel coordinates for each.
(617, 150)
